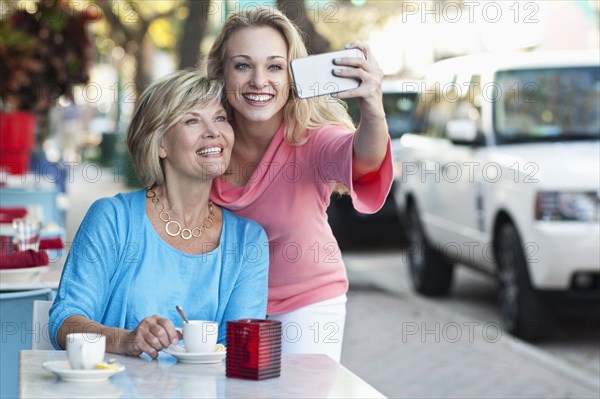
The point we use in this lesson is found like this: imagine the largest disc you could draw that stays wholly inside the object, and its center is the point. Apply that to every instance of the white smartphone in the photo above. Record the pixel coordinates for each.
(313, 75)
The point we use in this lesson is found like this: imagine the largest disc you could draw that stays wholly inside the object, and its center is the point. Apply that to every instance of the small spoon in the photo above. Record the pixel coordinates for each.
(180, 311)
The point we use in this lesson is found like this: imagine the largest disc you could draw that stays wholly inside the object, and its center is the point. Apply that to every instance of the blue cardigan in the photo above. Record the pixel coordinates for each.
(120, 271)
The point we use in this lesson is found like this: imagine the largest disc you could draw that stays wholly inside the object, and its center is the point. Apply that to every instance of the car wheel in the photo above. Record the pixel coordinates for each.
(522, 311)
(430, 272)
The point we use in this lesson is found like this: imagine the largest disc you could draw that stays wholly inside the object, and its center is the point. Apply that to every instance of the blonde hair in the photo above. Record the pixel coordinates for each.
(299, 116)
(160, 107)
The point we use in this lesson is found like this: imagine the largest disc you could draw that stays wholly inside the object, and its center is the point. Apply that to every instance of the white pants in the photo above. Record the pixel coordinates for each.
(316, 328)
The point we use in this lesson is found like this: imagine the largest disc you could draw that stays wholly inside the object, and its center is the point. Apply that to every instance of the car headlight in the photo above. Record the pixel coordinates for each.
(567, 206)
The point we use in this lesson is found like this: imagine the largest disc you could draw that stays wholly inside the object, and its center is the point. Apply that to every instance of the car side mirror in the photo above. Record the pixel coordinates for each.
(462, 131)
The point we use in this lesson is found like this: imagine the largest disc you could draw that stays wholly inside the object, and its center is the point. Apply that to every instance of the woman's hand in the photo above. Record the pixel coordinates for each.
(369, 94)
(371, 137)
(150, 336)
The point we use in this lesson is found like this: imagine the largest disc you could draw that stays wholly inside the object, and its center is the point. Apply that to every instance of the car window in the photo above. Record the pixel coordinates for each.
(550, 104)
(442, 102)
(469, 103)
(441, 107)
(399, 111)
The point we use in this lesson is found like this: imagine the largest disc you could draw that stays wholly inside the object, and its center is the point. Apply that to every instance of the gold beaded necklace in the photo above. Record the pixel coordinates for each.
(186, 234)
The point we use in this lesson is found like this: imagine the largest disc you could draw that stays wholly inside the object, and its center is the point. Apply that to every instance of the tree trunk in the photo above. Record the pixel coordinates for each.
(296, 11)
(123, 34)
(143, 60)
(193, 33)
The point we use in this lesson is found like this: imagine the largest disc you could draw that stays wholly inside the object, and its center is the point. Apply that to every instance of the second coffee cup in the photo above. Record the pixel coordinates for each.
(85, 350)
(200, 336)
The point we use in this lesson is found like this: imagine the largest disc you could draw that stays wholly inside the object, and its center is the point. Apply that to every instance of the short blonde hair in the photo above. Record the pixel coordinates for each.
(160, 107)
(299, 115)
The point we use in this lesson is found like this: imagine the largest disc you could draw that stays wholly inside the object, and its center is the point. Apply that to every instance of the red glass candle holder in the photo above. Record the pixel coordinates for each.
(253, 349)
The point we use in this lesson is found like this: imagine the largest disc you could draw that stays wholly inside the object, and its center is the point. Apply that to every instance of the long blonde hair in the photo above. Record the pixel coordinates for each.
(300, 116)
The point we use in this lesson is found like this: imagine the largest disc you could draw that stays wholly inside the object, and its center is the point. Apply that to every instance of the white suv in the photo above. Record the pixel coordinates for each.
(502, 173)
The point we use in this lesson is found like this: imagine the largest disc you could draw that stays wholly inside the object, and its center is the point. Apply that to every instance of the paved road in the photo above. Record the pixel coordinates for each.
(455, 347)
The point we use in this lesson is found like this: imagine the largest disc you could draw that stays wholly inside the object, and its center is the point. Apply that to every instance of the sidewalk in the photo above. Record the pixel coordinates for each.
(406, 347)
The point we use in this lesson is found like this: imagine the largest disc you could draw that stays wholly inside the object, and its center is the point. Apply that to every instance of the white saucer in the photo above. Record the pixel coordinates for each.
(62, 369)
(197, 358)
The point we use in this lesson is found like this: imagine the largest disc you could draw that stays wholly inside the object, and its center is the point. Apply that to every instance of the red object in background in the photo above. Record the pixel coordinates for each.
(45, 244)
(51, 243)
(7, 215)
(6, 245)
(17, 131)
(18, 260)
(253, 349)
(12, 258)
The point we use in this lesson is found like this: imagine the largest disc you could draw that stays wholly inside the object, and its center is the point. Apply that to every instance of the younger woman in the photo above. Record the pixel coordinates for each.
(288, 156)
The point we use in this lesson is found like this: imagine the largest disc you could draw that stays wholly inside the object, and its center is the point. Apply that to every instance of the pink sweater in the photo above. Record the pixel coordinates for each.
(288, 195)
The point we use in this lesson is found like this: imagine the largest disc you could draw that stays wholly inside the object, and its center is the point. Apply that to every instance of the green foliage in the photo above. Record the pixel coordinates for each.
(342, 23)
(43, 54)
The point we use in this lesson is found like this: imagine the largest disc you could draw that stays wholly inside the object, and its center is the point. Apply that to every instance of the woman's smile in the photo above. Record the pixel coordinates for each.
(210, 152)
(258, 98)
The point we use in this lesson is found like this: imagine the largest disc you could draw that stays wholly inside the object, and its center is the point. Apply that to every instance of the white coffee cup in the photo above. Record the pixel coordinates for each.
(200, 336)
(85, 350)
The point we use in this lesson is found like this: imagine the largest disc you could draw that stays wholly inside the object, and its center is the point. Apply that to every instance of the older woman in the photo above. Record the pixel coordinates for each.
(137, 255)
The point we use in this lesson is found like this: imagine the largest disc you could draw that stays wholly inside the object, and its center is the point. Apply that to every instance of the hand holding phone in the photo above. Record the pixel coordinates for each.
(313, 75)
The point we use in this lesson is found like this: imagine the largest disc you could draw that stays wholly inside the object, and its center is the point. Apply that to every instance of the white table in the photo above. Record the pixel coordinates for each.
(46, 277)
(49, 277)
(302, 376)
